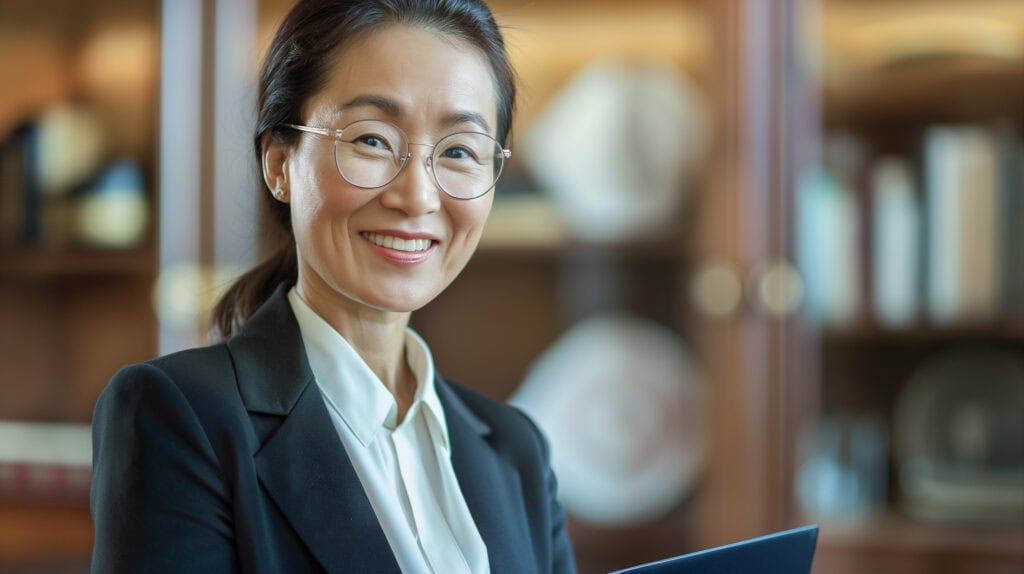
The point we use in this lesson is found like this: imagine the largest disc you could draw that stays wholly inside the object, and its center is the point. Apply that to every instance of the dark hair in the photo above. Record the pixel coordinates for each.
(297, 64)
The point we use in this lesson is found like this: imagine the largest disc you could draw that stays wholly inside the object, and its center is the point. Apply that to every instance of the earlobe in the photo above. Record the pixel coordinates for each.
(275, 167)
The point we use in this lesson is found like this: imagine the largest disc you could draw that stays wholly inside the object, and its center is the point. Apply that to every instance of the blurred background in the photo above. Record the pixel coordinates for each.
(754, 264)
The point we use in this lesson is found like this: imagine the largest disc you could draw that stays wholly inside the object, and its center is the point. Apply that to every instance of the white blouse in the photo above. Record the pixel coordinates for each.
(406, 470)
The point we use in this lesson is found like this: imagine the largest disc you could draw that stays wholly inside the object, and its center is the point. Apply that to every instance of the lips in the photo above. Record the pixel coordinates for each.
(409, 244)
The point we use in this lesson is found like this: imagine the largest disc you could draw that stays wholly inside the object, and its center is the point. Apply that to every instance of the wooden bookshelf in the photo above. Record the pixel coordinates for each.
(956, 90)
(75, 263)
(893, 543)
(1009, 330)
(44, 538)
(70, 315)
(890, 72)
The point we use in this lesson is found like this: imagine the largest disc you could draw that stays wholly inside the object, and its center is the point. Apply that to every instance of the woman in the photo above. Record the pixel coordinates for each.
(318, 437)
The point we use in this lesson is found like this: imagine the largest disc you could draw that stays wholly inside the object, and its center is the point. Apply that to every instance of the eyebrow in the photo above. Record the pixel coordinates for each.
(466, 118)
(393, 110)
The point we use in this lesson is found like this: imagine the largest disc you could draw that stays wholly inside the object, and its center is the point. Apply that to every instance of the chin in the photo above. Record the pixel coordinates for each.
(401, 302)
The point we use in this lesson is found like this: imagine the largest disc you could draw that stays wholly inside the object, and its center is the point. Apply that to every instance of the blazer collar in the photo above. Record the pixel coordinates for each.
(270, 359)
(303, 467)
(491, 486)
(302, 464)
(273, 371)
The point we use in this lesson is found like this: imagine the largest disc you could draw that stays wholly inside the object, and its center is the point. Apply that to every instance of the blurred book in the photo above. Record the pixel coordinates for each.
(45, 462)
(1011, 206)
(828, 246)
(896, 245)
(962, 218)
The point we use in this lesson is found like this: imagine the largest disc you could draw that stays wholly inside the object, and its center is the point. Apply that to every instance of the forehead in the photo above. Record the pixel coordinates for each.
(428, 74)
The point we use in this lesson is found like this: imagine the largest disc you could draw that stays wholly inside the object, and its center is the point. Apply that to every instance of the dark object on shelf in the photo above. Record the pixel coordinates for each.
(12, 198)
(1011, 162)
(959, 438)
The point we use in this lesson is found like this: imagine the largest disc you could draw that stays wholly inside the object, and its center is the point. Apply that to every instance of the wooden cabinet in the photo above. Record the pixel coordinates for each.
(74, 307)
(83, 79)
(891, 82)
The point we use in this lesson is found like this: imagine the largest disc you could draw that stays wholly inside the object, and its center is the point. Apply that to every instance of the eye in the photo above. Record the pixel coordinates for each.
(374, 141)
(458, 152)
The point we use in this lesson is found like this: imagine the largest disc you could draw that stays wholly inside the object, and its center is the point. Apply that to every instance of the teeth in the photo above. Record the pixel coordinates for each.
(397, 243)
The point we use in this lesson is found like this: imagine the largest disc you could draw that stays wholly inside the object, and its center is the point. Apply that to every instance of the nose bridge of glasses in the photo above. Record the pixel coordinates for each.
(430, 148)
(428, 161)
(428, 157)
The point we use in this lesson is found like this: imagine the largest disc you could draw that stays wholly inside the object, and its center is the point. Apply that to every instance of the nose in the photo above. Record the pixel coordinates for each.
(414, 192)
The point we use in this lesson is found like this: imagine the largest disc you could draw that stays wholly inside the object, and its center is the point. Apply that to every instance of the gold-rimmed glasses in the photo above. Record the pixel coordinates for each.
(370, 154)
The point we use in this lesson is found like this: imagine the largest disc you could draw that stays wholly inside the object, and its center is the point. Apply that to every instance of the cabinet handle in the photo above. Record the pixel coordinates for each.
(777, 289)
(716, 289)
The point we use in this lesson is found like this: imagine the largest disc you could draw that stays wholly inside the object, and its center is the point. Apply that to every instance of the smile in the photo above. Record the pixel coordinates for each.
(397, 243)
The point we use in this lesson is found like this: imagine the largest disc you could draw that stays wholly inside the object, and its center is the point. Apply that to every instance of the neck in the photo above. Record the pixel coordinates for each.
(377, 335)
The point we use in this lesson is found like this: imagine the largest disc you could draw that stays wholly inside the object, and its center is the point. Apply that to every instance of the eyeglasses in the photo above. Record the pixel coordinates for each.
(370, 154)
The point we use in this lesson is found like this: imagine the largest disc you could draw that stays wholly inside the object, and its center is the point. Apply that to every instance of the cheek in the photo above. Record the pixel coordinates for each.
(468, 218)
(319, 201)
(306, 204)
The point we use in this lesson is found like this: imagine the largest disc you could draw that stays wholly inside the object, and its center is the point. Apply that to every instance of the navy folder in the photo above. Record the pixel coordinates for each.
(787, 552)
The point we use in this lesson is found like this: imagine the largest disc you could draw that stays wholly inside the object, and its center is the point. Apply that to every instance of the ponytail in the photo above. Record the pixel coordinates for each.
(252, 290)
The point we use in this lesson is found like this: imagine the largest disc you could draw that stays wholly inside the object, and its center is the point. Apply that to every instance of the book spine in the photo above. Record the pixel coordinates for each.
(49, 483)
(978, 225)
(828, 246)
(31, 231)
(895, 245)
(942, 203)
(1011, 206)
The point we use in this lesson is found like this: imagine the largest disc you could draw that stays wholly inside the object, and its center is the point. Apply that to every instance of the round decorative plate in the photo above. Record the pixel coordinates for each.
(623, 407)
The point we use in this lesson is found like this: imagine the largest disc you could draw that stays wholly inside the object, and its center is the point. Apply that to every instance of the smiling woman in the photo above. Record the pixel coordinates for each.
(318, 436)
(346, 227)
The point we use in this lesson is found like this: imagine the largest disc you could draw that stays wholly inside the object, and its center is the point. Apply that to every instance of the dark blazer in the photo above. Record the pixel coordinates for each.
(224, 459)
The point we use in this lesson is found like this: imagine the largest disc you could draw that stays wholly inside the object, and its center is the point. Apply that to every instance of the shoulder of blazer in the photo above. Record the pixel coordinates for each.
(206, 378)
(510, 428)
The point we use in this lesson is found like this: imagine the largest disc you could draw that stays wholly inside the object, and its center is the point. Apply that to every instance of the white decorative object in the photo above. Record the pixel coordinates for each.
(71, 146)
(623, 407)
(617, 147)
(114, 212)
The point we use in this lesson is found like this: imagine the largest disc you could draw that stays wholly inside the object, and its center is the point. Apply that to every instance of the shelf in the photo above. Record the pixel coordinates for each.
(531, 227)
(44, 535)
(954, 90)
(927, 60)
(891, 533)
(651, 251)
(1003, 330)
(39, 263)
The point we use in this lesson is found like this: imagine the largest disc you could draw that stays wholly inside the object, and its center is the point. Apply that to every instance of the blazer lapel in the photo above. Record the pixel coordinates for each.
(490, 485)
(303, 464)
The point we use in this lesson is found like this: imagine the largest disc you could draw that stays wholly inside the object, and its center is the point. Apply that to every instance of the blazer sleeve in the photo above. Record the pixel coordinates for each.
(562, 558)
(158, 499)
(563, 561)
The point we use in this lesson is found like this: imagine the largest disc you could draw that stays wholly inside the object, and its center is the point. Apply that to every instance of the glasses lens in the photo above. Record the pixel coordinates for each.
(369, 153)
(467, 164)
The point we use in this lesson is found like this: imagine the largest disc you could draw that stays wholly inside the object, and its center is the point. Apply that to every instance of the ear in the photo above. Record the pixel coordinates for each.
(275, 166)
